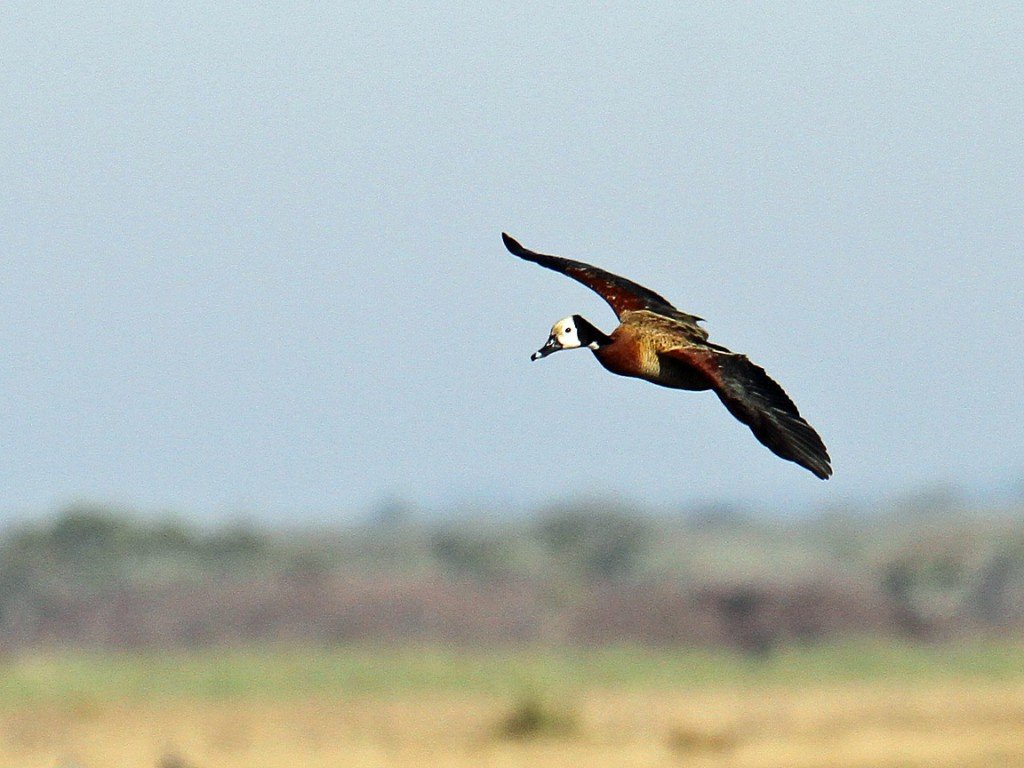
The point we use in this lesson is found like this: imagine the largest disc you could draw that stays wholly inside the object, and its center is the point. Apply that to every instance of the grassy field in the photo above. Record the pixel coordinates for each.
(837, 706)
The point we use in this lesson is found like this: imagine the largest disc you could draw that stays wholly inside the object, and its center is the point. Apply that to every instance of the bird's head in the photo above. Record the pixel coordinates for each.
(568, 333)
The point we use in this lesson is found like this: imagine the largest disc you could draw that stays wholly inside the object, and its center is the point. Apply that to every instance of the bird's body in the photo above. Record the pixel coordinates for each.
(658, 343)
(644, 346)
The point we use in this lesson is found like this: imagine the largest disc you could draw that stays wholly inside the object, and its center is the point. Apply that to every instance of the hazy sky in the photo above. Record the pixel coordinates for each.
(251, 256)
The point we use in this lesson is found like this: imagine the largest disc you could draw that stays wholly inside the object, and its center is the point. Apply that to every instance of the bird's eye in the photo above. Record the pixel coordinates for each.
(568, 330)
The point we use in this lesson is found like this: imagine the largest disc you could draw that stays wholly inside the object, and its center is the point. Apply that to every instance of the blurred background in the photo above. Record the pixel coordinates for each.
(280, 483)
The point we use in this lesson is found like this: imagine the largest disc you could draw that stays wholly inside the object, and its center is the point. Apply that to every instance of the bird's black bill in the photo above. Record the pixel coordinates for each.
(551, 345)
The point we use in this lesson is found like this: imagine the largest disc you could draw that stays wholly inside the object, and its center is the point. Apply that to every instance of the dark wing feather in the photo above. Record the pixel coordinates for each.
(623, 295)
(760, 403)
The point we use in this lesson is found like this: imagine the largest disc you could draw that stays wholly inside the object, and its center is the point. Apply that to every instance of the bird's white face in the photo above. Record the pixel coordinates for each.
(564, 335)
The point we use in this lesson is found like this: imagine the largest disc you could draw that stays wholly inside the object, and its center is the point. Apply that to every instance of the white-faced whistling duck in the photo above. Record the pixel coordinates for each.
(658, 343)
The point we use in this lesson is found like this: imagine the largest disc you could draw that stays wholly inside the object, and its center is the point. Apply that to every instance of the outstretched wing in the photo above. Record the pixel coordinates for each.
(760, 403)
(623, 295)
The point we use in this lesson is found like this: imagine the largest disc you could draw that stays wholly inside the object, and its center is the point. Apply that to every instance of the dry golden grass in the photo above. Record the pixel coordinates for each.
(926, 724)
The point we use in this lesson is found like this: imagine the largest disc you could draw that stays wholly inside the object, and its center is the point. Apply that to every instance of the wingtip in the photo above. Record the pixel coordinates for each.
(819, 464)
(511, 243)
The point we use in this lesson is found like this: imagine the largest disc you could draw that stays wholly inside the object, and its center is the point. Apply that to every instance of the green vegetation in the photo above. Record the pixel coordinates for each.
(284, 672)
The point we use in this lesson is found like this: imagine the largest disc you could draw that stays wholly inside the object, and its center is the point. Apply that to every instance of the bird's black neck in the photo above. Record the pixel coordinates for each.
(589, 333)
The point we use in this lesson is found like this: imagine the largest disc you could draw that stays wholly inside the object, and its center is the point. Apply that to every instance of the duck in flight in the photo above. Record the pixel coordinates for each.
(658, 343)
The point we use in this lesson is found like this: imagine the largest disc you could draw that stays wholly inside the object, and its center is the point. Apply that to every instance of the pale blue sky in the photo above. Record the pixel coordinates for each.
(251, 256)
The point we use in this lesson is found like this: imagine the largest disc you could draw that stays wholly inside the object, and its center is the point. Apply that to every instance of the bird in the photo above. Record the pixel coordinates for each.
(658, 343)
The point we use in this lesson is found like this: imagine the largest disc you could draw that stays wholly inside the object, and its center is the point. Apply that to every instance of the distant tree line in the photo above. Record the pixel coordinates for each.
(579, 573)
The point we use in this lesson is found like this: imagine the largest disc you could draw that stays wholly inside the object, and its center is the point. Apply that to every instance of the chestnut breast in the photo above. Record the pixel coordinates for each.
(634, 352)
(629, 354)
